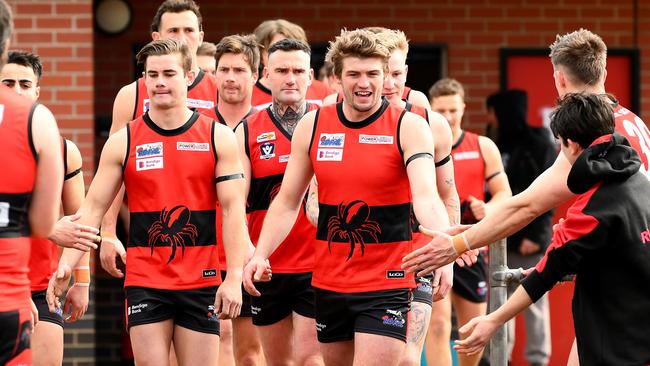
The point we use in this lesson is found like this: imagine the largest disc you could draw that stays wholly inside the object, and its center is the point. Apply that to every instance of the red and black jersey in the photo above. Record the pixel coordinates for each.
(406, 93)
(18, 162)
(636, 132)
(469, 173)
(202, 94)
(268, 146)
(364, 201)
(316, 92)
(169, 178)
(605, 241)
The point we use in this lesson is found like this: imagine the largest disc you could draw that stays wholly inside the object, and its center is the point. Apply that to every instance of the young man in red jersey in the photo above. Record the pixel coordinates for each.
(22, 73)
(175, 19)
(30, 194)
(283, 309)
(371, 160)
(604, 243)
(579, 61)
(237, 58)
(172, 270)
(477, 164)
(267, 33)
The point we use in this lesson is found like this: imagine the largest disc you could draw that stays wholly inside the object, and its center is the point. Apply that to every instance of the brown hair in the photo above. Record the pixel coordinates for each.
(240, 44)
(445, 87)
(582, 54)
(357, 43)
(393, 39)
(175, 6)
(265, 32)
(163, 47)
(206, 49)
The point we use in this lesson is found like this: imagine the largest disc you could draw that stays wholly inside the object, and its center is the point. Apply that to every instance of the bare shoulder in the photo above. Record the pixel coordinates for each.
(418, 98)
(74, 159)
(330, 99)
(124, 106)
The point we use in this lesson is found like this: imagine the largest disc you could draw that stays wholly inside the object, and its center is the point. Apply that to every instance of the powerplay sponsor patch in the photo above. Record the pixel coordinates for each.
(192, 146)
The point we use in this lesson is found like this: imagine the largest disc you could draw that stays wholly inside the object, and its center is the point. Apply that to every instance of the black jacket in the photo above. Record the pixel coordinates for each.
(605, 241)
(527, 151)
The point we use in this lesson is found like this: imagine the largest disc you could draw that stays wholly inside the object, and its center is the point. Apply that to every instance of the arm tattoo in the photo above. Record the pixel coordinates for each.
(312, 202)
(288, 115)
(453, 210)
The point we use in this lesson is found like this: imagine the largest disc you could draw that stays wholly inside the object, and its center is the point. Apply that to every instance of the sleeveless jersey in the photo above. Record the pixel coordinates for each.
(44, 258)
(420, 111)
(202, 94)
(169, 178)
(469, 173)
(18, 162)
(364, 201)
(268, 147)
(316, 92)
(636, 131)
(215, 115)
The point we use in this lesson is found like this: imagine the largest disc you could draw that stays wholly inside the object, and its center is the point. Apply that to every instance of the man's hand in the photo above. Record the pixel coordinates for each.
(228, 301)
(443, 280)
(34, 313)
(258, 269)
(529, 247)
(76, 302)
(57, 286)
(476, 333)
(437, 253)
(112, 247)
(477, 206)
(68, 234)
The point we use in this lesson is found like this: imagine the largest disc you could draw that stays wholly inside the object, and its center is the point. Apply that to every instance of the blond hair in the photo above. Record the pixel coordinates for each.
(582, 54)
(393, 39)
(445, 87)
(240, 44)
(163, 47)
(357, 43)
(206, 49)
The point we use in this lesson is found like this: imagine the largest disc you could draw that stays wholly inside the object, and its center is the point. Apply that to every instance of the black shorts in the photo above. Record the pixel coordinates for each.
(191, 309)
(470, 282)
(15, 333)
(285, 293)
(423, 291)
(44, 314)
(340, 315)
(245, 300)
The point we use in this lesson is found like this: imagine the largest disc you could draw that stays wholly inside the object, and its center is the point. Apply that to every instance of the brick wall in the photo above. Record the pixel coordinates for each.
(473, 30)
(60, 31)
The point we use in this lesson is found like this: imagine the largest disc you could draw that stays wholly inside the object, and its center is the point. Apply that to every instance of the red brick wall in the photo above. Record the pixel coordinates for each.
(474, 30)
(60, 31)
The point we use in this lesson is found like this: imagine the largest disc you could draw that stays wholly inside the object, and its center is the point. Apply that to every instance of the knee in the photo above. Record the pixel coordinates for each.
(440, 327)
(309, 360)
(410, 359)
(249, 355)
(249, 360)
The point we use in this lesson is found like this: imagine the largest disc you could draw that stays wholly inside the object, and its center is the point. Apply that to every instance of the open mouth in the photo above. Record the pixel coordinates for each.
(363, 94)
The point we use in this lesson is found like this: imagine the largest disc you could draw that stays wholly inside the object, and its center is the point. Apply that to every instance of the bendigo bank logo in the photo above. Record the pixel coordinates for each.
(173, 229)
(351, 224)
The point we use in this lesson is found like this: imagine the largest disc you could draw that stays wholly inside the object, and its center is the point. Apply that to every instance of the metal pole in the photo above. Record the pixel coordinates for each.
(498, 297)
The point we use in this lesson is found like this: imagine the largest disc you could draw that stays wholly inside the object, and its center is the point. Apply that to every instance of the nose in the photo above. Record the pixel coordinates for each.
(364, 81)
(291, 78)
(17, 88)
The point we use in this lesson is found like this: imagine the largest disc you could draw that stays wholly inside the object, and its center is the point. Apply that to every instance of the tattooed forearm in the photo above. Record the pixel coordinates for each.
(312, 202)
(453, 210)
(288, 114)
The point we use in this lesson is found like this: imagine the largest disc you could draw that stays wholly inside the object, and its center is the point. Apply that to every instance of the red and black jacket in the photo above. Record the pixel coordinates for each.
(605, 241)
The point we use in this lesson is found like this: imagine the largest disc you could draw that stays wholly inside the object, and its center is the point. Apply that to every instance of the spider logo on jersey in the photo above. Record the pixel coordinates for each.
(351, 223)
(173, 229)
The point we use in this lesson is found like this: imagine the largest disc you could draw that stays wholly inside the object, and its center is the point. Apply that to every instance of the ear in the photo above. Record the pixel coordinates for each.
(604, 76)
(190, 76)
(256, 75)
(574, 147)
(406, 70)
(311, 76)
(201, 34)
(38, 91)
(265, 72)
(155, 36)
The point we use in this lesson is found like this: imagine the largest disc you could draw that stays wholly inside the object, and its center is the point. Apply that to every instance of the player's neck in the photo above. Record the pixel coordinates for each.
(589, 89)
(170, 118)
(289, 114)
(265, 82)
(455, 134)
(233, 113)
(353, 115)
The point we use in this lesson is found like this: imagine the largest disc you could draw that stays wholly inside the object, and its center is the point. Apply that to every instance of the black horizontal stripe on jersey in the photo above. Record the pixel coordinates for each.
(14, 214)
(262, 191)
(393, 222)
(143, 224)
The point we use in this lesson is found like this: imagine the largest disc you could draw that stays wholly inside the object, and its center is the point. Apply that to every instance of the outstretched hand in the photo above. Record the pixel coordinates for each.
(56, 287)
(68, 234)
(435, 254)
